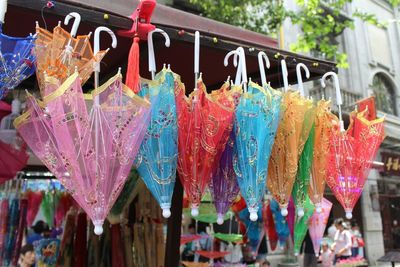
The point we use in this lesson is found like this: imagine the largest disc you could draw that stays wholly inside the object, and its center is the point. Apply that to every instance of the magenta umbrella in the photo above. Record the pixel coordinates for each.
(317, 224)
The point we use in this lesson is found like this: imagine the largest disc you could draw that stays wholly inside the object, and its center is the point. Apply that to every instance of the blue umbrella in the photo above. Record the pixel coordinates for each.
(257, 118)
(16, 61)
(157, 159)
(281, 225)
(254, 229)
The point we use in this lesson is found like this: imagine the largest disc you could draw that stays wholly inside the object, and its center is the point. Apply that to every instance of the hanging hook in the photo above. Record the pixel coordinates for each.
(75, 25)
(152, 60)
(300, 78)
(285, 75)
(338, 94)
(262, 56)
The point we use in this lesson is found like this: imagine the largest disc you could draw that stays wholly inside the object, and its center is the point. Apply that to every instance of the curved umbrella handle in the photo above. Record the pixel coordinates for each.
(262, 56)
(75, 25)
(3, 10)
(338, 94)
(96, 48)
(235, 54)
(300, 78)
(242, 64)
(285, 75)
(152, 60)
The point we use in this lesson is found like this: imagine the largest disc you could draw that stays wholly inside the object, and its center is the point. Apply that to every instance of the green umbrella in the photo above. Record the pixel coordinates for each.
(301, 225)
(233, 238)
(302, 181)
(49, 205)
(207, 213)
(124, 198)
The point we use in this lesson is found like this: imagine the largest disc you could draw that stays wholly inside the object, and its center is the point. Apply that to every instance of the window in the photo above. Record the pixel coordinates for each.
(384, 94)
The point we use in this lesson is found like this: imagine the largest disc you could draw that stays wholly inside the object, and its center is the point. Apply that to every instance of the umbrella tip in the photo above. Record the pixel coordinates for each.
(195, 212)
(166, 213)
(284, 212)
(296, 254)
(318, 209)
(349, 215)
(220, 219)
(300, 212)
(98, 229)
(253, 216)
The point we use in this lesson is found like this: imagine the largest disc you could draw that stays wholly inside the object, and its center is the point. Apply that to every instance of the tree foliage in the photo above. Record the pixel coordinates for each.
(321, 23)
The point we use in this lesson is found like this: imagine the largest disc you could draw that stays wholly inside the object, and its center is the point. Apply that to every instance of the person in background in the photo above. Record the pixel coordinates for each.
(27, 256)
(342, 241)
(332, 231)
(326, 256)
(266, 264)
(39, 229)
(355, 236)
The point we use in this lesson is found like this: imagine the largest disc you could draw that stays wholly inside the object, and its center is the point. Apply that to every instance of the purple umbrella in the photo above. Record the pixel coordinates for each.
(223, 186)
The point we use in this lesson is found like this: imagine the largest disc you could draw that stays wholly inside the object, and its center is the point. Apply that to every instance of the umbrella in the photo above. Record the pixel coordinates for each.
(190, 238)
(5, 109)
(48, 206)
(34, 201)
(269, 226)
(223, 185)
(351, 154)
(203, 128)
(322, 138)
(65, 202)
(294, 127)
(212, 254)
(91, 154)
(13, 159)
(60, 53)
(158, 155)
(317, 224)
(23, 208)
(12, 226)
(282, 228)
(254, 229)
(4, 212)
(301, 225)
(257, 117)
(195, 264)
(16, 58)
(233, 238)
(290, 218)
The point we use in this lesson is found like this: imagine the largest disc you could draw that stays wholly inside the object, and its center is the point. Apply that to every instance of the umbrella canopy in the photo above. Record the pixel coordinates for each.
(195, 264)
(158, 155)
(269, 226)
(229, 237)
(223, 185)
(257, 117)
(65, 202)
(212, 254)
(4, 212)
(204, 125)
(190, 238)
(254, 229)
(294, 127)
(48, 206)
(317, 224)
(11, 234)
(13, 159)
(351, 155)
(322, 142)
(91, 154)
(301, 225)
(281, 225)
(16, 61)
(59, 54)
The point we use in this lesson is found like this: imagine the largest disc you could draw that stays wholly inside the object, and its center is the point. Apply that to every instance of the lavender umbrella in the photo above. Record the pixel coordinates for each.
(223, 186)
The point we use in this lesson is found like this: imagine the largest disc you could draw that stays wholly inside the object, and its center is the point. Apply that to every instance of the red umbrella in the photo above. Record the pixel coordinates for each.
(34, 201)
(189, 238)
(269, 227)
(351, 154)
(12, 160)
(204, 125)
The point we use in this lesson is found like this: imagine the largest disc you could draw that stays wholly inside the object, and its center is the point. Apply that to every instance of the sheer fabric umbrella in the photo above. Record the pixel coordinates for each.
(281, 225)
(12, 160)
(269, 226)
(322, 142)
(352, 153)
(254, 229)
(34, 201)
(301, 225)
(318, 224)
(203, 128)
(296, 121)
(16, 58)
(90, 153)
(59, 53)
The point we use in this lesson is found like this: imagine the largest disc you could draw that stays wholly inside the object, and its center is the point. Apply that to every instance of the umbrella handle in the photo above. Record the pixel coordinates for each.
(235, 54)
(262, 56)
(300, 78)
(152, 60)
(242, 64)
(96, 48)
(3, 10)
(75, 25)
(285, 75)
(338, 94)
(196, 57)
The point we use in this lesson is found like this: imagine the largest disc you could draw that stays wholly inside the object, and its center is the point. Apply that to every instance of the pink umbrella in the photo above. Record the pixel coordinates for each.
(90, 153)
(12, 160)
(317, 224)
(291, 217)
